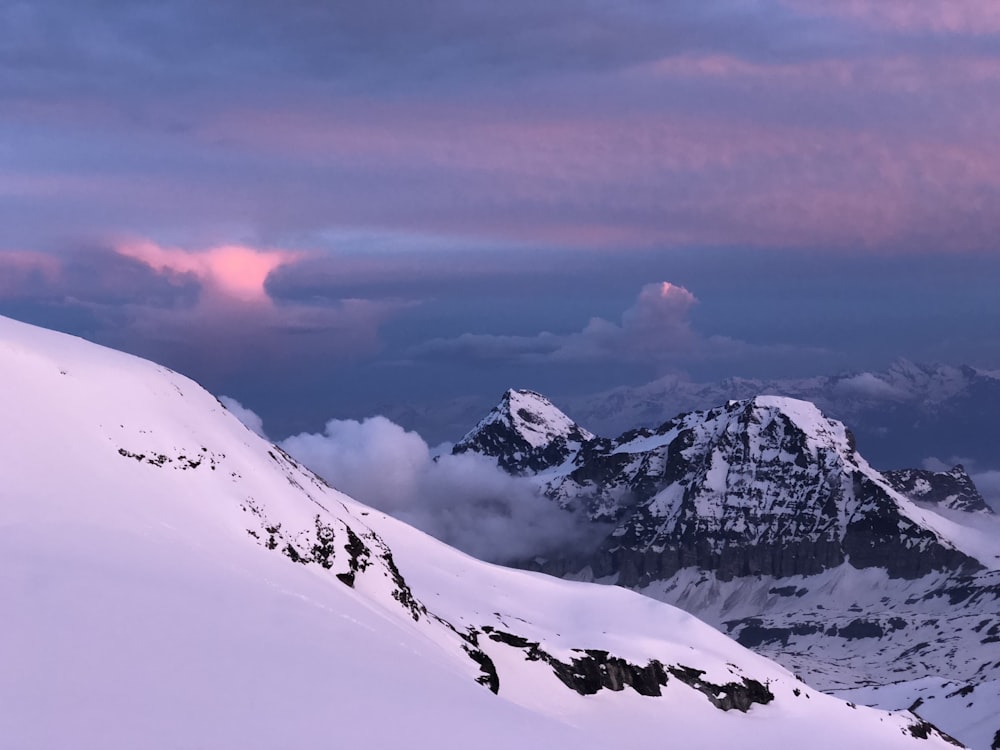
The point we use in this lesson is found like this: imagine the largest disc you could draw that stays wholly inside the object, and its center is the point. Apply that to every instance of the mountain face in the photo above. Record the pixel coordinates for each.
(762, 518)
(900, 416)
(164, 566)
(767, 486)
(525, 433)
(951, 489)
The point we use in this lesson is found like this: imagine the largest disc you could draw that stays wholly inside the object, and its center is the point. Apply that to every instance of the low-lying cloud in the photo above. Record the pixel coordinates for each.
(464, 500)
(249, 418)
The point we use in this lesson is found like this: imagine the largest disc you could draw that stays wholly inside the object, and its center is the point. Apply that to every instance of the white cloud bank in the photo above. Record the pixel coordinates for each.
(464, 500)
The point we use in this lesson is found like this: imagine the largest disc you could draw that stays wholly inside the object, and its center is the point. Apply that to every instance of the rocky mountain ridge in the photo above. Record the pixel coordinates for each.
(761, 517)
(952, 489)
(766, 486)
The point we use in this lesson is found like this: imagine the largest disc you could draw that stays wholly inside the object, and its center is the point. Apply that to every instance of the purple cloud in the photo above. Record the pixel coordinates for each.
(801, 124)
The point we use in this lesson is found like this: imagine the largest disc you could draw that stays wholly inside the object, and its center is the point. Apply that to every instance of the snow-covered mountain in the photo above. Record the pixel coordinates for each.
(526, 434)
(762, 518)
(172, 580)
(900, 416)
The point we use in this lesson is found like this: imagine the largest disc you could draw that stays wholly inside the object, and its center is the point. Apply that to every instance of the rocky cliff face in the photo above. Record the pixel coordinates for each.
(952, 489)
(766, 486)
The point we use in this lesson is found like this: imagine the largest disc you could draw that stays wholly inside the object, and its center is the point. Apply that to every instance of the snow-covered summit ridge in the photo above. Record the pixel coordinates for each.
(526, 433)
(767, 485)
(758, 410)
(804, 414)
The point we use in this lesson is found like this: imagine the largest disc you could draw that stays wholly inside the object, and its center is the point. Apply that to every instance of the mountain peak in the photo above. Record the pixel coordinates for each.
(809, 420)
(526, 433)
(537, 420)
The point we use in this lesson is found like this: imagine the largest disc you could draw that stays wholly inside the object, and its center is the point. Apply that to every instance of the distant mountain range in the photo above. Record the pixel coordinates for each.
(901, 416)
(762, 517)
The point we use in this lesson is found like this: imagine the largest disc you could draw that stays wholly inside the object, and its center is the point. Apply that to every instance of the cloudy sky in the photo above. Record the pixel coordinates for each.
(322, 207)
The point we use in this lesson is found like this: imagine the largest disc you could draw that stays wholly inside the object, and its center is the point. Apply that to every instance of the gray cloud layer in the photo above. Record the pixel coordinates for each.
(107, 45)
(563, 123)
(514, 168)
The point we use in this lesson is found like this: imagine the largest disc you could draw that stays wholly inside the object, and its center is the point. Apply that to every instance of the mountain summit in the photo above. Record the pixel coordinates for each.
(764, 486)
(526, 433)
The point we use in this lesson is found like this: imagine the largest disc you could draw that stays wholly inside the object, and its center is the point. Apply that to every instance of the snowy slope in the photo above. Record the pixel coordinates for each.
(171, 580)
(975, 706)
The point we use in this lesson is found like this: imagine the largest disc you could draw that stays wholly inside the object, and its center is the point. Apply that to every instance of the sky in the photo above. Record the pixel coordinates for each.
(325, 209)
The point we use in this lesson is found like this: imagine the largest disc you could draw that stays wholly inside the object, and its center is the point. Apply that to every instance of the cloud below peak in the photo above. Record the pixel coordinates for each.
(464, 500)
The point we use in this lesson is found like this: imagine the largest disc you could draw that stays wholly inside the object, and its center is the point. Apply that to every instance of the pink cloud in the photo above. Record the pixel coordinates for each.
(232, 271)
(235, 319)
(841, 152)
(650, 178)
